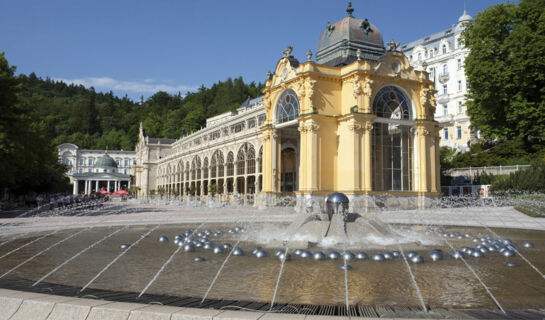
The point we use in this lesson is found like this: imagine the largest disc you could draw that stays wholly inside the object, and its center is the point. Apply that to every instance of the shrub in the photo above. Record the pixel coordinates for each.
(527, 180)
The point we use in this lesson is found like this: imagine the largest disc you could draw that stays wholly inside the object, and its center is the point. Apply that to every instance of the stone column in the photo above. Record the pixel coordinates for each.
(423, 134)
(302, 156)
(210, 176)
(75, 190)
(313, 154)
(367, 155)
(275, 154)
(350, 160)
(225, 179)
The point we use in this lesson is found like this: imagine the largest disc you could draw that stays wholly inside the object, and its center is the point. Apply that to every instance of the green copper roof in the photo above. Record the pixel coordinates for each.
(105, 162)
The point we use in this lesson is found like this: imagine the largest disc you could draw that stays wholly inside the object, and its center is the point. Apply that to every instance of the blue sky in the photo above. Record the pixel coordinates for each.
(139, 47)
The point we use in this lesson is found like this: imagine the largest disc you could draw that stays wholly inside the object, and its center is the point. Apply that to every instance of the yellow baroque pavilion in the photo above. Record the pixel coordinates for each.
(358, 120)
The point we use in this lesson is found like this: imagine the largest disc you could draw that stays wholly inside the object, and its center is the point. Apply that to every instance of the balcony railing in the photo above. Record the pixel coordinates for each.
(443, 77)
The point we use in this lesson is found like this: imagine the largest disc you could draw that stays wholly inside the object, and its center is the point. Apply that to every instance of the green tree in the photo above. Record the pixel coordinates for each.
(506, 70)
(28, 160)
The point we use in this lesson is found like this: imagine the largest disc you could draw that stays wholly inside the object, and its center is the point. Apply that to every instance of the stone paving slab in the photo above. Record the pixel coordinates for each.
(155, 312)
(37, 308)
(196, 314)
(114, 311)
(238, 315)
(75, 309)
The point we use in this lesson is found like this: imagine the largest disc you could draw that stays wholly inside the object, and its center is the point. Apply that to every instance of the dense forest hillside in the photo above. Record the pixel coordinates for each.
(93, 120)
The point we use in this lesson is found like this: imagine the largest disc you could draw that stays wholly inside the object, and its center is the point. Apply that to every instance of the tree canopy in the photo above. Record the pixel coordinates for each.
(94, 120)
(39, 114)
(28, 159)
(506, 70)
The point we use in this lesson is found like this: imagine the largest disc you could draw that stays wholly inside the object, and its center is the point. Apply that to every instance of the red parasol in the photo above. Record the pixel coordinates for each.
(121, 192)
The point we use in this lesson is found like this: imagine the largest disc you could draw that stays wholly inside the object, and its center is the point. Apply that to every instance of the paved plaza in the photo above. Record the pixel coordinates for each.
(113, 214)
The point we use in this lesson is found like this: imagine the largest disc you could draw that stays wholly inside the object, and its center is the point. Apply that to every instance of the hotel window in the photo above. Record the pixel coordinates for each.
(251, 123)
(445, 69)
(444, 48)
(89, 170)
(432, 74)
(126, 162)
(431, 53)
(459, 64)
(445, 89)
(420, 56)
(90, 161)
(459, 85)
(458, 132)
(445, 133)
(117, 161)
(460, 109)
(445, 110)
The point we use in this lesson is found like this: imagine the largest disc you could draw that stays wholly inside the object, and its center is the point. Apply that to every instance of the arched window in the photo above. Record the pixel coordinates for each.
(193, 169)
(205, 168)
(444, 48)
(219, 159)
(213, 166)
(187, 169)
(260, 160)
(391, 103)
(230, 164)
(287, 107)
(198, 168)
(241, 159)
(392, 142)
(250, 160)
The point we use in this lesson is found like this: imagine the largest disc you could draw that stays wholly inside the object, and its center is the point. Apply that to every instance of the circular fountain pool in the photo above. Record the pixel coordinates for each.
(93, 258)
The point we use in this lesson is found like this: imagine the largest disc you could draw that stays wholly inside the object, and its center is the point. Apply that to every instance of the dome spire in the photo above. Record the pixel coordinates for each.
(350, 9)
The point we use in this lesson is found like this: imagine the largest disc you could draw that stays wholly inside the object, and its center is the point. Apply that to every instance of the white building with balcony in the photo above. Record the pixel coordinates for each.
(442, 54)
(91, 170)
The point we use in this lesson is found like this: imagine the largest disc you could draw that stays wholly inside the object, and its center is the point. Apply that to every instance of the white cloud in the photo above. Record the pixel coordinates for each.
(145, 87)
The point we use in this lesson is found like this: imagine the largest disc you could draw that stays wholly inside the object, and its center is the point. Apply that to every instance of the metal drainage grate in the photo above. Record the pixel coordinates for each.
(325, 310)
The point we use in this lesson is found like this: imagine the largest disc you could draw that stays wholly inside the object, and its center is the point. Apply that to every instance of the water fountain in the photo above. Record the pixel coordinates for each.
(315, 261)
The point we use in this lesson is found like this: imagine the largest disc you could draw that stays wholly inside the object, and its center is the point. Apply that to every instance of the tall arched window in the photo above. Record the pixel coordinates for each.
(230, 165)
(198, 168)
(205, 168)
(250, 160)
(392, 141)
(219, 159)
(287, 107)
(240, 161)
(260, 160)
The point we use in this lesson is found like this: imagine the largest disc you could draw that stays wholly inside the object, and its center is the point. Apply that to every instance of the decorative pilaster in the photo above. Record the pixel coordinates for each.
(352, 156)
(424, 135)
(311, 127)
(367, 172)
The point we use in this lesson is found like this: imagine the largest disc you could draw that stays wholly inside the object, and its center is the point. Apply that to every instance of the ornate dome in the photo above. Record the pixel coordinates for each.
(106, 162)
(340, 41)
